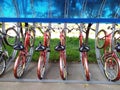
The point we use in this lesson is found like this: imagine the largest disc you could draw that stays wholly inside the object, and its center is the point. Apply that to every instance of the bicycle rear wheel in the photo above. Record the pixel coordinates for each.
(116, 37)
(19, 67)
(2, 65)
(41, 67)
(100, 39)
(47, 36)
(12, 37)
(112, 68)
(63, 67)
(32, 38)
(85, 65)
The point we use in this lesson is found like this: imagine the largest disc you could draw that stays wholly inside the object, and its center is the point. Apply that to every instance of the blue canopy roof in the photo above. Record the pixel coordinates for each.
(57, 9)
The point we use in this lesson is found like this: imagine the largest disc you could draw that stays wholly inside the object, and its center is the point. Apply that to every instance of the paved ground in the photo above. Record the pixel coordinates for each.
(53, 81)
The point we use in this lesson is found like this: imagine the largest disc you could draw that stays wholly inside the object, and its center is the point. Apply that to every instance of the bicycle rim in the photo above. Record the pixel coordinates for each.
(112, 69)
(19, 67)
(2, 65)
(100, 39)
(12, 37)
(41, 68)
(85, 65)
(63, 70)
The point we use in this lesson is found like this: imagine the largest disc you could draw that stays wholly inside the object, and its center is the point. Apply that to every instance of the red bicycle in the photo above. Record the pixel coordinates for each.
(61, 48)
(44, 53)
(84, 48)
(26, 51)
(110, 59)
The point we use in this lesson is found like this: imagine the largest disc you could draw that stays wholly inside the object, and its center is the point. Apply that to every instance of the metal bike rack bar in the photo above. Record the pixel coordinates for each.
(98, 55)
(60, 81)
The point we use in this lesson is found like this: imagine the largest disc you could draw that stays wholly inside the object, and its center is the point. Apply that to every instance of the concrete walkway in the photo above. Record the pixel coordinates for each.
(53, 81)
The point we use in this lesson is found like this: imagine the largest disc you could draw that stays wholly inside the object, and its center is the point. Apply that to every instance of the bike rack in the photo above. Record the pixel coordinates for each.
(98, 55)
(92, 81)
(14, 52)
(60, 81)
(101, 67)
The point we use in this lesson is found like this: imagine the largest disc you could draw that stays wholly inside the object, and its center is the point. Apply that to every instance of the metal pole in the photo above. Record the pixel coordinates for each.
(101, 8)
(3, 27)
(98, 55)
(32, 7)
(16, 7)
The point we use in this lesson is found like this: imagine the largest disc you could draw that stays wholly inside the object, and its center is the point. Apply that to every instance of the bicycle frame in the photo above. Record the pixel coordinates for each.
(108, 38)
(108, 43)
(43, 53)
(24, 52)
(62, 40)
(62, 60)
(23, 55)
(46, 37)
(43, 58)
(83, 54)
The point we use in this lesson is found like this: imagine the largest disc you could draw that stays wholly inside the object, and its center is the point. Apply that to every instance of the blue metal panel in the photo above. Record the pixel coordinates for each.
(59, 9)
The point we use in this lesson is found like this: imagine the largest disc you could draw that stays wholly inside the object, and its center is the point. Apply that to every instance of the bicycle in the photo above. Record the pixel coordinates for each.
(84, 48)
(109, 59)
(44, 50)
(7, 39)
(62, 50)
(25, 51)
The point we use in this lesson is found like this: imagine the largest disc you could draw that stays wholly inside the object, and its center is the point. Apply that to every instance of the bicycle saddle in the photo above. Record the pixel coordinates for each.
(84, 48)
(19, 46)
(117, 47)
(59, 47)
(40, 47)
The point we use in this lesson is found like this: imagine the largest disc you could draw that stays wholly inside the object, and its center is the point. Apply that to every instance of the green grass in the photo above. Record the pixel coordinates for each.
(72, 50)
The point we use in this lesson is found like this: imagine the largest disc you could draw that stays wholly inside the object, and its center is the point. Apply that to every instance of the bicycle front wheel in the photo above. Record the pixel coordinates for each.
(100, 39)
(112, 69)
(2, 65)
(63, 67)
(19, 67)
(85, 65)
(41, 68)
(12, 37)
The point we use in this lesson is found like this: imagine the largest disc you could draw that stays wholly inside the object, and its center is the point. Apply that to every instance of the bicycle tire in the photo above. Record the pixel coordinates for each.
(63, 38)
(107, 73)
(15, 38)
(19, 65)
(98, 39)
(41, 67)
(85, 65)
(2, 65)
(32, 38)
(47, 40)
(116, 37)
(62, 66)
